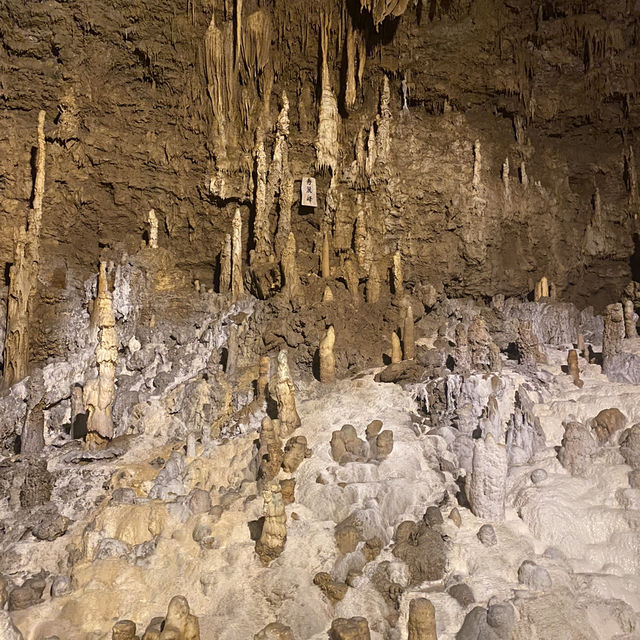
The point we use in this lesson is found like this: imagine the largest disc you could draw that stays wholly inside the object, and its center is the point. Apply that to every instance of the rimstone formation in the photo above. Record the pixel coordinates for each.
(360, 360)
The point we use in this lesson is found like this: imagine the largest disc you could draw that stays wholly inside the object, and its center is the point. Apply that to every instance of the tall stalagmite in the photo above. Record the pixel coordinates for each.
(23, 277)
(283, 390)
(99, 393)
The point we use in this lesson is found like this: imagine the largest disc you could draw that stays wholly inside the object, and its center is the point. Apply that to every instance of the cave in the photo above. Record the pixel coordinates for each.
(319, 320)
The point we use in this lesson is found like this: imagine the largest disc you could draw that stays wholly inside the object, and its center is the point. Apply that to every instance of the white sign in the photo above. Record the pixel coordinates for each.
(308, 196)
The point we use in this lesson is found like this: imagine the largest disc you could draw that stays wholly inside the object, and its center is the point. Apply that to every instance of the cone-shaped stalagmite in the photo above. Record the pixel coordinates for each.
(398, 275)
(23, 277)
(236, 258)
(613, 334)
(327, 359)
(396, 348)
(285, 398)
(422, 620)
(99, 393)
(274, 530)
(574, 368)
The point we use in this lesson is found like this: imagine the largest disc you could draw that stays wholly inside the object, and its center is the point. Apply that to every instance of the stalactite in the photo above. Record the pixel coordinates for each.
(384, 122)
(477, 164)
(505, 179)
(326, 144)
(23, 276)
(362, 242)
(280, 181)
(261, 231)
(220, 76)
(238, 25)
(236, 258)
(381, 9)
(631, 179)
(350, 90)
(372, 153)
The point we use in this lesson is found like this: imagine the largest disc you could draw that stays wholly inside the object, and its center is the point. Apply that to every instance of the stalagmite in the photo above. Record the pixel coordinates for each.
(630, 319)
(77, 412)
(327, 147)
(270, 453)
(613, 335)
(274, 530)
(99, 393)
(398, 276)
(180, 623)
(396, 348)
(505, 179)
(153, 229)
(325, 267)
(477, 164)
(574, 368)
(263, 378)
(289, 269)
(261, 232)
(422, 620)
(488, 479)
(327, 359)
(236, 258)
(408, 340)
(225, 265)
(352, 279)
(524, 179)
(23, 276)
(373, 284)
(530, 352)
(541, 289)
(285, 398)
(327, 296)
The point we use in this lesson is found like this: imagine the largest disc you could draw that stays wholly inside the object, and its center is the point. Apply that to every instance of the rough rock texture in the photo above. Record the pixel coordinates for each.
(423, 549)
(422, 620)
(350, 629)
(578, 445)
